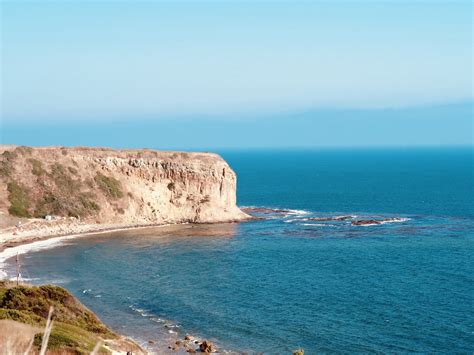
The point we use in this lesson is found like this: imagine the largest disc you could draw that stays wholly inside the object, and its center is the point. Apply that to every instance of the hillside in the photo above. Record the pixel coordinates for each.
(76, 330)
(99, 185)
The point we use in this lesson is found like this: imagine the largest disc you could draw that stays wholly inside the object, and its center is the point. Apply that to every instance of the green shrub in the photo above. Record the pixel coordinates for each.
(20, 316)
(35, 301)
(88, 203)
(19, 199)
(62, 179)
(6, 168)
(110, 186)
(6, 164)
(36, 167)
(75, 330)
(74, 205)
(24, 150)
(9, 154)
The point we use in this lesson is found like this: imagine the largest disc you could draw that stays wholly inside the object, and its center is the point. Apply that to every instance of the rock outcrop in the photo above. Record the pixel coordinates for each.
(117, 186)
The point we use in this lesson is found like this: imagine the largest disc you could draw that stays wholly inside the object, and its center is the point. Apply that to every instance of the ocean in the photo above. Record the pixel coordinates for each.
(303, 276)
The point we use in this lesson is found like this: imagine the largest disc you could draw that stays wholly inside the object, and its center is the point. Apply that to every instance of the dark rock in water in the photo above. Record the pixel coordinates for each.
(192, 351)
(196, 342)
(188, 337)
(206, 347)
(151, 342)
(179, 342)
(365, 222)
(263, 210)
(324, 219)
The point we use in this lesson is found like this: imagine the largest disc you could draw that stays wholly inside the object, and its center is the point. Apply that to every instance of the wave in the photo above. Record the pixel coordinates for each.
(298, 212)
(273, 210)
(296, 220)
(30, 247)
(140, 311)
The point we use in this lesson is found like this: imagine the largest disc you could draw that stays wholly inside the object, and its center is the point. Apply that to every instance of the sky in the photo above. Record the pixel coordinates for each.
(238, 74)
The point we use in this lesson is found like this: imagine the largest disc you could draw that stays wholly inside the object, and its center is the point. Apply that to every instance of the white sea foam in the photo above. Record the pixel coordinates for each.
(30, 247)
(295, 220)
(50, 243)
(297, 212)
(158, 320)
(395, 220)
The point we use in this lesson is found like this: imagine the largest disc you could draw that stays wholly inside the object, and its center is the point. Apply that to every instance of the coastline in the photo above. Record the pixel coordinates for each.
(21, 244)
(10, 241)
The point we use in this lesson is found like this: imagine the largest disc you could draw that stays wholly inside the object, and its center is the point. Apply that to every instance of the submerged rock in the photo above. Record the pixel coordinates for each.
(366, 222)
(337, 218)
(251, 210)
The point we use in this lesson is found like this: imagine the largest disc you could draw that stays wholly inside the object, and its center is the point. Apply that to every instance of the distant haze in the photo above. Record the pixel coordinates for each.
(236, 73)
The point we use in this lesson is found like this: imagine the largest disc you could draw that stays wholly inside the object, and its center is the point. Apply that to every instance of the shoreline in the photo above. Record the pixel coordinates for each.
(13, 244)
(10, 248)
(8, 245)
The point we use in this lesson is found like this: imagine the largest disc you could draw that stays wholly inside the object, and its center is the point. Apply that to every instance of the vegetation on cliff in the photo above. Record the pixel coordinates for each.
(56, 188)
(19, 199)
(75, 329)
(100, 185)
(109, 185)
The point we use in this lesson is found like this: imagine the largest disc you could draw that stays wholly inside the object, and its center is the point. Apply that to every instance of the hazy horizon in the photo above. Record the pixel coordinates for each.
(209, 75)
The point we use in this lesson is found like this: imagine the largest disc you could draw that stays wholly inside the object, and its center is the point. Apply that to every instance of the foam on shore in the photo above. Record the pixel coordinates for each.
(53, 242)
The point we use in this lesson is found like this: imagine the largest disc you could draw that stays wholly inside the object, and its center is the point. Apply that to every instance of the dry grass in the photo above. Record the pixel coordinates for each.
(16, 337)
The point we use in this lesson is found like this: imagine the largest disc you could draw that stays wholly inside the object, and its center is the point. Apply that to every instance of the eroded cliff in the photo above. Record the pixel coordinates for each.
(117, 186)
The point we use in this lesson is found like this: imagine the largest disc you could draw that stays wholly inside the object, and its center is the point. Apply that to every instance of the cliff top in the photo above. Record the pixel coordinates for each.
(101, 152)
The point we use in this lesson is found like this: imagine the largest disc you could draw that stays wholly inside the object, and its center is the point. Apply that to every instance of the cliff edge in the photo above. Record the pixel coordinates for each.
(108, 186)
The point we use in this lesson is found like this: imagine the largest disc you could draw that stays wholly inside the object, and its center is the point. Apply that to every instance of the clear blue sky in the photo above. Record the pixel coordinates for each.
(174, 74)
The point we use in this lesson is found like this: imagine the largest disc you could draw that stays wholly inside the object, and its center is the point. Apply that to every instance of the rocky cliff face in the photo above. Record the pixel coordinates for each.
(118, 186)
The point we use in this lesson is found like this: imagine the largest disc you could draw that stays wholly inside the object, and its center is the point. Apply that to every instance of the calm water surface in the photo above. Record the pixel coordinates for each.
(289, 281)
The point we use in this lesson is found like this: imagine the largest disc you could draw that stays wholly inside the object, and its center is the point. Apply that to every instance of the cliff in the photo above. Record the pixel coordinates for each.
(99, 185)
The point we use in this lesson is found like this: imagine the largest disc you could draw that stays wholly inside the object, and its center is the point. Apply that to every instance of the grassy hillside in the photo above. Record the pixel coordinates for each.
(76, 329)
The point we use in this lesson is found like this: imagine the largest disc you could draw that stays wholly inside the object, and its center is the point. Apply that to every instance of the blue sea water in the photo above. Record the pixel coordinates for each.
(290, 281)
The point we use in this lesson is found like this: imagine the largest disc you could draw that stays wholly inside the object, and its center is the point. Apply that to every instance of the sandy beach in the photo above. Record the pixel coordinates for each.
(32, 234)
